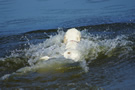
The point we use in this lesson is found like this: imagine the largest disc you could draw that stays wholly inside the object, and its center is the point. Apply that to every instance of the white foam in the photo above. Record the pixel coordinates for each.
(89, 47)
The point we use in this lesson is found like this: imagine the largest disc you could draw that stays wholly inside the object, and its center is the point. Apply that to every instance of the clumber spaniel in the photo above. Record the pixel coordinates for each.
(71, 39)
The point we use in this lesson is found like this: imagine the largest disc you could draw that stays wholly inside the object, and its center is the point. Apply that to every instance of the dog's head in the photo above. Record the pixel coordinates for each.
(72, 54)
(72, 35)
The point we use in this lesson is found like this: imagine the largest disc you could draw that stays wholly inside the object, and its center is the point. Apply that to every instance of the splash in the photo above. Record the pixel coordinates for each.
(91, 47)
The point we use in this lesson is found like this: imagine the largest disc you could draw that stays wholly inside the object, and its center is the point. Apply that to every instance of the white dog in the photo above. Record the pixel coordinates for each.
(71, 39)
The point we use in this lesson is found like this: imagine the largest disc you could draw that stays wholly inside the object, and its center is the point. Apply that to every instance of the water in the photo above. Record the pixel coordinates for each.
(32, 29)
(19, 16)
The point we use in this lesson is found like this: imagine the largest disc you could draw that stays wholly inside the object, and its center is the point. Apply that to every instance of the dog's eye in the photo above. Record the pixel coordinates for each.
(68, 52)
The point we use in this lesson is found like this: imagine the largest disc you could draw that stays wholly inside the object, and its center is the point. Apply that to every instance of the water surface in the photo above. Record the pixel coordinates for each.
(30, 29)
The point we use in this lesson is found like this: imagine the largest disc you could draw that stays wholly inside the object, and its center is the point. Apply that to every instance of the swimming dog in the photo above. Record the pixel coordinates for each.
(71, 39)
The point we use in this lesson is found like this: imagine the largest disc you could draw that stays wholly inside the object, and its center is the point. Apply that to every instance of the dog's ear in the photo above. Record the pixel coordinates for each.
(65, 40)
(79, 38)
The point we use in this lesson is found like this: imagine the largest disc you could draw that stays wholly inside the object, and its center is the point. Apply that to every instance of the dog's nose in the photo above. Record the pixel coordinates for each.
(68, 52)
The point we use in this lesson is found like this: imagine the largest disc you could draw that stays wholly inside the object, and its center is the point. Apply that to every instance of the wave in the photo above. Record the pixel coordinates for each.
(94, 45)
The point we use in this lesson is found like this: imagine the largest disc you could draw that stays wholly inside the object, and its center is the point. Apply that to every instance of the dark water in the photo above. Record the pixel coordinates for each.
(30, 29)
